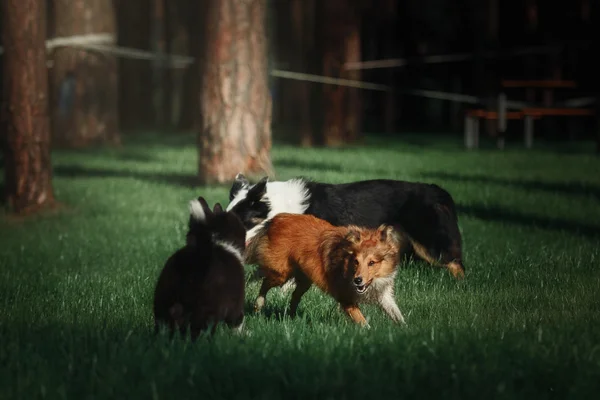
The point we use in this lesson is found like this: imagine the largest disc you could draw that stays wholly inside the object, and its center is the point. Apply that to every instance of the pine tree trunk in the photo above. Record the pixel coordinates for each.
(28, 170)
(235, 111)
(194, 19)
(391, 43)
(160, 69)
(341, 43)
(353, 112)
(135, 94)
(84, 82)
(333, 95)
(491, 79)
(301, 48)
(177, 43)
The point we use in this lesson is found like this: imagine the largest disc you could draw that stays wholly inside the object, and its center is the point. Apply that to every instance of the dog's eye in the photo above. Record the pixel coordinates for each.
(371, 263)
(356, 262)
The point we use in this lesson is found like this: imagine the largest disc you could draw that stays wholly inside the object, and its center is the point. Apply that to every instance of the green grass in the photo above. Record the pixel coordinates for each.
(76, 285)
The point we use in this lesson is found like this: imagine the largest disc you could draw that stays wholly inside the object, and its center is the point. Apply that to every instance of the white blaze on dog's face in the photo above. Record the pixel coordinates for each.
(247, 202)
(375, 255)
(254, 204)
(239, 191)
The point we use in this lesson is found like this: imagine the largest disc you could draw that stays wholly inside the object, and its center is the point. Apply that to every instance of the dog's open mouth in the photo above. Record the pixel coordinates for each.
(360, 289)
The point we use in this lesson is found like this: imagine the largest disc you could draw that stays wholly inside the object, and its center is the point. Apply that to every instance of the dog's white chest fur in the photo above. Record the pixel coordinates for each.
(378, 289)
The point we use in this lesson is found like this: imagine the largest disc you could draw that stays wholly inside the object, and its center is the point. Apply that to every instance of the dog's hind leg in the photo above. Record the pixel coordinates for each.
(302, 286)
(455, 267)
(268, 283)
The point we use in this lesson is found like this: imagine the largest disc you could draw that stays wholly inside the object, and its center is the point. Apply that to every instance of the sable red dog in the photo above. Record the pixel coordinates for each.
(203, 282)
(352, 264)
(424, 212)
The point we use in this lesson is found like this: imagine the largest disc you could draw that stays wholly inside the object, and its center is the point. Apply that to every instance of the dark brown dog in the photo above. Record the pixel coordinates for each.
(202, 284)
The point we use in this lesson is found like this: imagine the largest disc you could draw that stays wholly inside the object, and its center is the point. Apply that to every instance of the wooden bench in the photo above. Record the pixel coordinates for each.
(472, 117)
(539, 84)
(534, 113)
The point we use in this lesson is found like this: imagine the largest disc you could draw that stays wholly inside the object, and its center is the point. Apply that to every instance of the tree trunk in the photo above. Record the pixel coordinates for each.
(160, 69)
(341, 41)
(177, 38)
(193, 17)
(28, 170)
(531, 11)
(390, 110)
(353, 114)
(135, 94)
(235, 111)
(84, 82)
(491, 78)
(301, 49)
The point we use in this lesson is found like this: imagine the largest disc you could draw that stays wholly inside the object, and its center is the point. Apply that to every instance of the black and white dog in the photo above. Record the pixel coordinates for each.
(424, 212)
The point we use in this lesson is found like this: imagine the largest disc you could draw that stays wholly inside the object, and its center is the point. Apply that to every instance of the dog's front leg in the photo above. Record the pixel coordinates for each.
(357, 316)
(389, 306)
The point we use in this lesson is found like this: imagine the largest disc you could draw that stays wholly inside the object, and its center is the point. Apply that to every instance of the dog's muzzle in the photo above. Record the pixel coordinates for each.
(360, 285)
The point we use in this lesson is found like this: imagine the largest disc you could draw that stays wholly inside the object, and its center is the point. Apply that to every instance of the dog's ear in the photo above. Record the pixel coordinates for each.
(199, 210)
(239, 183)
(388, 234)
(205, 206)
(217, 208)
(353, 236)
(240, 178)
(259, 190)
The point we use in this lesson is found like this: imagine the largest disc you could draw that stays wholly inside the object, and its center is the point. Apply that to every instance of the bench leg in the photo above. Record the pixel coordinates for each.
(500, 142)
(476, 133)
(501, 113)
(528, 131)
(468, 132)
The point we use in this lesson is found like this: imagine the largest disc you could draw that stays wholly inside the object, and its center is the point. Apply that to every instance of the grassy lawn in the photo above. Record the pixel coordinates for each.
(76, 285)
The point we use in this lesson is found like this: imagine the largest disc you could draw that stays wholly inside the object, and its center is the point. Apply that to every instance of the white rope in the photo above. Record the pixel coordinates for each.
(105, 43)
(576, 103)
(442, 58)
(127, 52)
(329, 80)
(79, 40)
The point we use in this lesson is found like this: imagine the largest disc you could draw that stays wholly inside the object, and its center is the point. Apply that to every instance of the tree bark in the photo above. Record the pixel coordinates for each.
(341, 41)
(28, 169)
(177, 38)
(160, 70)
(391, 43)
(135, 94)
(194, 17)
(491, 74)
(301, 48)
(84, 82)
(236, 107)
(353, 114)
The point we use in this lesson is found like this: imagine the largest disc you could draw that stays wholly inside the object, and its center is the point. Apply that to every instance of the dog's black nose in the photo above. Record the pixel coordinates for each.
(358, 281)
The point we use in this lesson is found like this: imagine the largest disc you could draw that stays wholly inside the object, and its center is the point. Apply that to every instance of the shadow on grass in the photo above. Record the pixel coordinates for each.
(268, 312)
(311, 165)
(574, 188)
(499, 214)
(137, 156)
(177, 179)
(99, 361)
